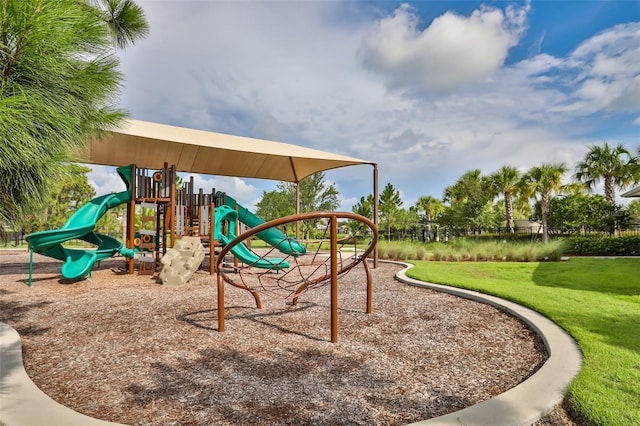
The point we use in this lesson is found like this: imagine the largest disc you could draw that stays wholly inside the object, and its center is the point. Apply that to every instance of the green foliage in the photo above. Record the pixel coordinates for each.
(544, 180)
(363, 208)
(596, 300)
(505, 182)
(469, 203)
(315, 195)
(578, 212)
(613, 165)
(70, 192)
(607, 246)
(633, 208)
(471, 250)
(58, 84)
(112, 223)
(390, 203)
(275, 204)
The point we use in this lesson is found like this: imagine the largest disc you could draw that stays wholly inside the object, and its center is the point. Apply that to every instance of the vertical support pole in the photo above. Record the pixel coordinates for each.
(30, 265)
(212, 236)
(334, 279)
(131, 217)
(375, 211)
(237, 232)
(172, 205)
(220, 303)
(369, 286)
(298, 210)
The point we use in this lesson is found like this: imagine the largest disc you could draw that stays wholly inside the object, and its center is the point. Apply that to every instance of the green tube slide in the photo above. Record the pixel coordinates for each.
(77, 262)
(241, 251)
(272, 236)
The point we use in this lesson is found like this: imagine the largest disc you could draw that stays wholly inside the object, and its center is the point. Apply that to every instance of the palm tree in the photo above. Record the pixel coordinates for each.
(58, 81)
(505, 182)
(432, 207)
(613, 165)
(543, 180)
(390, 202)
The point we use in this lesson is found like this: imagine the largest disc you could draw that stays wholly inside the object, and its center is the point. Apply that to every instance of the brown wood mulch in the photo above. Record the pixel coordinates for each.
(124, 348)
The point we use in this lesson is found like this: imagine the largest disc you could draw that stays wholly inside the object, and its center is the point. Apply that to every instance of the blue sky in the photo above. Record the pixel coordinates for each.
(427, 89)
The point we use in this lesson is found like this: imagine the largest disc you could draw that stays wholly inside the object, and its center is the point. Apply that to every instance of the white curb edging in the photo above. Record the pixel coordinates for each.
(532, 399)
(22, 403)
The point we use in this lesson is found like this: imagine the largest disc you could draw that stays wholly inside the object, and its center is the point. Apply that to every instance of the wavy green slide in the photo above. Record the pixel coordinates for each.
(78, 263)
(241, 251)
(272, 236)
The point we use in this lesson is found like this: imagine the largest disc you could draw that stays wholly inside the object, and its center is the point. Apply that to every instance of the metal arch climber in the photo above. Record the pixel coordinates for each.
(302, 271)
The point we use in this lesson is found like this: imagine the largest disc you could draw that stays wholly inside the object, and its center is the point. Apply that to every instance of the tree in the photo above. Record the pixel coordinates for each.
(543, 180)
(469, 200)
(633, 208)
(505, 182)
(432, 207)
(407, 220)
(315, 195)
(614, 165)
(579, 212)
(71, 191)
(390, 202)
(364, 208)
(58, 85)
(275, 204)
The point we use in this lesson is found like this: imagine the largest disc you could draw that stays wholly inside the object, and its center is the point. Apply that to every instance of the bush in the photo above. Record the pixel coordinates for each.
(603, 246)
(472, 250)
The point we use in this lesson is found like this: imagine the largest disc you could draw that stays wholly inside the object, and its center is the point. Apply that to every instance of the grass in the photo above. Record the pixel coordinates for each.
(471, 250)
(596, 300)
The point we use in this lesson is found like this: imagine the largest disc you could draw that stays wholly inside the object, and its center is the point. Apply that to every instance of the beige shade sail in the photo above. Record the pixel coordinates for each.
(151, 145)
(633, 193)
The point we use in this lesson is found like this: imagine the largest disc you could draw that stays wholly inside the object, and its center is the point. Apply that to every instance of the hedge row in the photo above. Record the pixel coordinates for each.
(604, 246)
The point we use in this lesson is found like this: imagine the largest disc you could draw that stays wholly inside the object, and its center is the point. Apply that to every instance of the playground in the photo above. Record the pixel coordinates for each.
(136, 332)
(124, 348)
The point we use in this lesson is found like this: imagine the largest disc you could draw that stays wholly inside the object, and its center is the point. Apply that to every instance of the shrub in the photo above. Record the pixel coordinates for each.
(472, 250)
(606, 246)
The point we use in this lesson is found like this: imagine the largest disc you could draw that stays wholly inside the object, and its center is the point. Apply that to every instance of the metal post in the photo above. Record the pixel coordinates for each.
(220, 302)
(131, 218)
(334, 279)
(375, 211)
(30, 265)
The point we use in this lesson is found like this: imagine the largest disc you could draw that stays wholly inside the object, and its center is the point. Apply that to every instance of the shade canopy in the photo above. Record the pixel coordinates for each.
(151, 145)
(633, 193)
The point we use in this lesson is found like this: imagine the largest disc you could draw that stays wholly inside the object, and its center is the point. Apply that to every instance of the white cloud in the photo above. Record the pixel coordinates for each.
(293, 71)
(104, 179)
(240, 189)
(451, 52)
(609, 66)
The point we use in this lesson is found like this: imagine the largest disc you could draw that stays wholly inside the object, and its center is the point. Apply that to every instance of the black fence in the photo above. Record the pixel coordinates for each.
(526, 233)
(11, 238)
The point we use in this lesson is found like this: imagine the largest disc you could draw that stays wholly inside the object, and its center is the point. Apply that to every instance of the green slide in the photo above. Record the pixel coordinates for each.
(78, 263)
(271, 236)
(241, 251)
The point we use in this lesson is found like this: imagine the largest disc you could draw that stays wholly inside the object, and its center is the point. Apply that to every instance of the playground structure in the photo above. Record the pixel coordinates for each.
(169, 212)
(81, 226)
(166, 213)
(303, 272)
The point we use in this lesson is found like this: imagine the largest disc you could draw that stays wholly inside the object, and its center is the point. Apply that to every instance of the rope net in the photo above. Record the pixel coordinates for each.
(291, 275)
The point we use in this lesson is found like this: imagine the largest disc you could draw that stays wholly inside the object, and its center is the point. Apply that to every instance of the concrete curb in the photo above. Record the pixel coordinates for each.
(23, 404)
(535, 397)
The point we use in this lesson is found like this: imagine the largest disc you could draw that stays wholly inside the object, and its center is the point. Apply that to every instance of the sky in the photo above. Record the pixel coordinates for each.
(426, 89)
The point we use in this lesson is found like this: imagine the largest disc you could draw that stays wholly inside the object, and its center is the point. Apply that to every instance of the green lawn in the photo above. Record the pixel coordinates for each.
(596, 300)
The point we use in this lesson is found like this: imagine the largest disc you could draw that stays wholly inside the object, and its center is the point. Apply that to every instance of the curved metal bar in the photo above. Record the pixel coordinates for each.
(332, 275)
